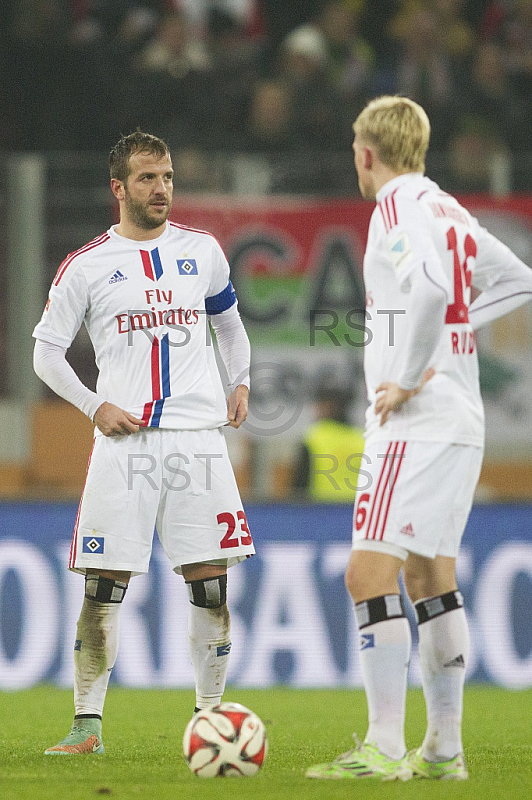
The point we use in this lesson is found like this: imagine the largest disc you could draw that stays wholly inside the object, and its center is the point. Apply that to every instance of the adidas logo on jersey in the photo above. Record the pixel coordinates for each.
(117, 277)
(408, 530)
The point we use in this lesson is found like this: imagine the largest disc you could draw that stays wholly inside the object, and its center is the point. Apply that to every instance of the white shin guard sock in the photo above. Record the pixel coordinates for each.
(94, 654)
(384, 658)
(443, 653)
(209, 646)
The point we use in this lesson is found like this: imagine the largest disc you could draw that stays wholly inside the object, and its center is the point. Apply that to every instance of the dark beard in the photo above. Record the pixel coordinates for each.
(138, 215)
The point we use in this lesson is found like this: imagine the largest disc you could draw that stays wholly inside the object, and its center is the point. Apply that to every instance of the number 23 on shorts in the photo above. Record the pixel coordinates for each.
(237, 529)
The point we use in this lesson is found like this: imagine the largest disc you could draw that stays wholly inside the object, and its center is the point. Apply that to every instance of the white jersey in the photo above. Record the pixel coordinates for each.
(145, 306)
(421, 239)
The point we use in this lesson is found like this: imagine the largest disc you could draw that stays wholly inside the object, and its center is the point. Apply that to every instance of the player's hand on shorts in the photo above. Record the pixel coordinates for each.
(391, 396)
(237, 406)
(114, 421)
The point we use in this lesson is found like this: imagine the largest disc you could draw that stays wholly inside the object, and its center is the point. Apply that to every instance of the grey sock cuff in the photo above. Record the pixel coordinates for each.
(104, 590)
(379, 609)
(434, 607)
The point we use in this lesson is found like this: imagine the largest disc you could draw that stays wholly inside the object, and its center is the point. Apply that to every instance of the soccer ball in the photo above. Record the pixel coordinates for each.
(227, 740)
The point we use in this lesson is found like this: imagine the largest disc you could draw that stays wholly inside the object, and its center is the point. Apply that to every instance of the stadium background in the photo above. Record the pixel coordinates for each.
(279, 190)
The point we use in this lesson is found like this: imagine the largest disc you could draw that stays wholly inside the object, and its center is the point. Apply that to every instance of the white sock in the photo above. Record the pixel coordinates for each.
(94, 654)
(209, 646)
(443, 653)
(385, 643)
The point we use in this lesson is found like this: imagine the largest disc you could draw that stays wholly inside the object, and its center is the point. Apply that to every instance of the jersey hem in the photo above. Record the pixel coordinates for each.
(217, 426)
(400, 436)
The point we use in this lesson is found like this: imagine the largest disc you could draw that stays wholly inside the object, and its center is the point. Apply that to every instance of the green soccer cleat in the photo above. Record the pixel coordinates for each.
(85, 738)
(363, 761)
(453, 770)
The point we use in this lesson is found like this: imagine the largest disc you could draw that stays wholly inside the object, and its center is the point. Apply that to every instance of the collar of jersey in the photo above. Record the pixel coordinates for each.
(394, 183)
(147, 244)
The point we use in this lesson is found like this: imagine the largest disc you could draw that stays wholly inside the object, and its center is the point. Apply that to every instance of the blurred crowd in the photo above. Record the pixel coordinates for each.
(262, 76)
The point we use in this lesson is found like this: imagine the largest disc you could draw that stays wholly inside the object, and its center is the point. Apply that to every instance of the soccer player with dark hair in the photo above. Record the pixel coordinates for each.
(148, 291)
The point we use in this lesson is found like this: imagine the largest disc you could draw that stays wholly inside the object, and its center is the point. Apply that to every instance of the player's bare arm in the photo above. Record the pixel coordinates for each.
(392, 396)
(237, 406)
(114, 421)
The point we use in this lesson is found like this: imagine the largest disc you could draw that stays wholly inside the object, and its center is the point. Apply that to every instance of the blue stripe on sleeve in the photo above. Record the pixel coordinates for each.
(222, 301)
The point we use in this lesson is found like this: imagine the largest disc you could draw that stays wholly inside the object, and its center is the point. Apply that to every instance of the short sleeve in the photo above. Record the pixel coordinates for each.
(221, 294)
(221, 301)
(411, 246)
(65, 309)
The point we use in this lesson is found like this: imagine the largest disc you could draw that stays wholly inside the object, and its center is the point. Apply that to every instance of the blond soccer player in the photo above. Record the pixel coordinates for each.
(424, 439)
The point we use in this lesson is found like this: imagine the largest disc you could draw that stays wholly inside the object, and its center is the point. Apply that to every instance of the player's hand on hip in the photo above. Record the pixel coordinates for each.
(237, 406)
(391, 396)
(427, 375)
(114, 421)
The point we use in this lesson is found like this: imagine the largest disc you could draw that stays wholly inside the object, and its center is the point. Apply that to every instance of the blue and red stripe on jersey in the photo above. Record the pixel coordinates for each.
(151, 261)
(160, 381)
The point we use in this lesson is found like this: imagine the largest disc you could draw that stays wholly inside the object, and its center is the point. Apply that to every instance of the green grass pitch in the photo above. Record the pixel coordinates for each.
(143, 759)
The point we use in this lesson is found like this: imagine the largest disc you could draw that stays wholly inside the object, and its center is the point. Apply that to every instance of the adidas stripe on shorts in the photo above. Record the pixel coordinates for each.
(416, 496)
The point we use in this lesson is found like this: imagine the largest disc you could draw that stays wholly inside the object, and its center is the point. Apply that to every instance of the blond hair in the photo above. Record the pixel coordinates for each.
(399, 129)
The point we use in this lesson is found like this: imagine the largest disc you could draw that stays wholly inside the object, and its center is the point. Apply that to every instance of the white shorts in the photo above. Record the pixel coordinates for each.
(415, 497)
(177, 481)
